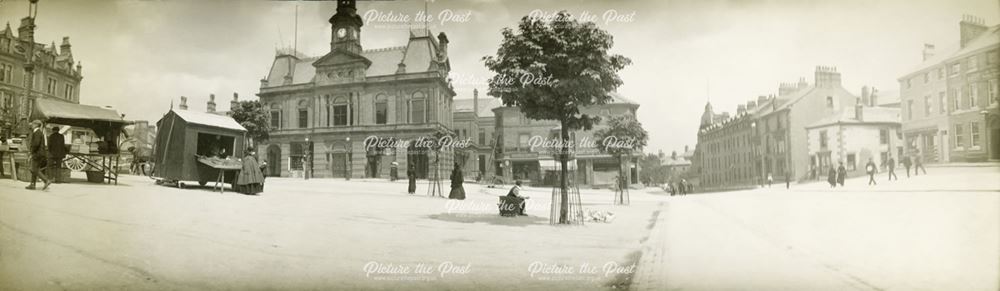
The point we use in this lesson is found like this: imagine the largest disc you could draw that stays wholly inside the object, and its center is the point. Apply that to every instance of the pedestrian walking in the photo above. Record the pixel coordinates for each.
(769, 180)
(411, 175)
(788, 181)
(872, 169)
(57, 152)
(457, 191)
(841, 174)
(36, 148)
(892, 169)
(907, 163)
(918, 164)
(831, 177)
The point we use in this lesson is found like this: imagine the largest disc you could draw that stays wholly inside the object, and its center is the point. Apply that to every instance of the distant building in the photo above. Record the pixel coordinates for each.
(474, 120)
(57, 74)
(950, 100)
(675, 167)
(323, 108)
(854, 135)
(725, 151)
(538, 166)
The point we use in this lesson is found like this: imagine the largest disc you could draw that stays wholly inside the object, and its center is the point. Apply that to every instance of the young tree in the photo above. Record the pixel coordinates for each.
(623, 136)
(550, 69)
(252, 116)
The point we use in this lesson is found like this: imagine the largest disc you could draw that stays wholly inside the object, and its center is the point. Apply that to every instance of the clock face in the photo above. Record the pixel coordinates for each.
(341, 32)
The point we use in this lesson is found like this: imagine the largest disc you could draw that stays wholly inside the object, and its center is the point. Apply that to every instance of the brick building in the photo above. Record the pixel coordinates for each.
(323, 108)
(950, 100)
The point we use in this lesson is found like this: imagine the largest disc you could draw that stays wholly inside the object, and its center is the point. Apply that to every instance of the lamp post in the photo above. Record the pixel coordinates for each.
(756, 155)
(307, 160)
(349, 152)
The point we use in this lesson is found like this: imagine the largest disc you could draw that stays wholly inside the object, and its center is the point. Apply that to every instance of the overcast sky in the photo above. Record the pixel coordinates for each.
(139, 55)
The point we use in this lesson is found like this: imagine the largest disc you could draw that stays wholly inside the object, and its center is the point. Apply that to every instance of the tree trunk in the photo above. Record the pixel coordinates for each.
(563, 172)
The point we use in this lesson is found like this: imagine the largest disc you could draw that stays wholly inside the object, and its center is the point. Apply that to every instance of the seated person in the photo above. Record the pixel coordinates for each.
(515, 192)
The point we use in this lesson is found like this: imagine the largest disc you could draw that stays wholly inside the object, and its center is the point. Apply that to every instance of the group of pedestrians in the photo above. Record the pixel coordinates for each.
(837, 176)
(682, 187)
(46, 154)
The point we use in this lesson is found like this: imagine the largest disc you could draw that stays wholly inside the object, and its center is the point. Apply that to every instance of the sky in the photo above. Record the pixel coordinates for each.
(138, 56)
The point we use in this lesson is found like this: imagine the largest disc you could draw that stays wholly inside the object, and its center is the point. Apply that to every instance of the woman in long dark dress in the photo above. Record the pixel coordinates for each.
(457, 191)
(250, 180)
(411, 174)
(832, 177)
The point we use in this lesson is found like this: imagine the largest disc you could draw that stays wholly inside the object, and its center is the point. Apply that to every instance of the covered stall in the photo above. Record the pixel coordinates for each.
(196, 146)
(101, 163)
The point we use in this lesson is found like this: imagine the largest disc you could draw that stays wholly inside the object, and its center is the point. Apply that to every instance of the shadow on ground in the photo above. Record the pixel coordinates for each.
(494, 219)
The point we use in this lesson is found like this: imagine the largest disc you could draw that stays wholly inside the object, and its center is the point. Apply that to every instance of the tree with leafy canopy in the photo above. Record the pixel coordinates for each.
(252, 116)
(623, 136)
(552, 68)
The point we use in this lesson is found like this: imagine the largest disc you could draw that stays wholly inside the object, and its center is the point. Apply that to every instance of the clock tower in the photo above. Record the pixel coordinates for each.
(346, 27)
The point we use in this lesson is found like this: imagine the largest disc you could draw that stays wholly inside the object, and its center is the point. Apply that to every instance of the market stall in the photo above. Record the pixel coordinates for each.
(100, 160)
(196, 146)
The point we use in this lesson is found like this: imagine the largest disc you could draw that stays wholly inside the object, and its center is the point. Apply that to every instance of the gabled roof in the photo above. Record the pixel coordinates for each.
(208, 119)
(988, 38)
(870, 115)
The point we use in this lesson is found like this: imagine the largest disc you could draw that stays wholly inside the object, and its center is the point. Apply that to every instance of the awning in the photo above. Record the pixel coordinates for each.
(553, 165)
(66, 113)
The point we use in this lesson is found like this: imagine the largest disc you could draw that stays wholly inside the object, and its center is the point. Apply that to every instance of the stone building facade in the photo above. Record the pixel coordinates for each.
(950, 100)
(322, 109)
(853, 136)
(474, 120)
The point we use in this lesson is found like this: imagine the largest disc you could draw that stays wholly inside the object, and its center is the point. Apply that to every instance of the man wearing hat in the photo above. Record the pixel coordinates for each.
(36, 148)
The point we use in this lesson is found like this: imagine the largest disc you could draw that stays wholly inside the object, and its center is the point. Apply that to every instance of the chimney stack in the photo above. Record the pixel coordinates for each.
(235, 103)
(741, 109)
(859, 111)
(865, 93)
(969, 28)
(64, 48)
(761, 99)
(873, 98)
(802, 83)
(26, 32)
(211, 103)
(827, 77)
(928, 51)
(475, 102)
(685, 148)
(184, 103)
(751, 105)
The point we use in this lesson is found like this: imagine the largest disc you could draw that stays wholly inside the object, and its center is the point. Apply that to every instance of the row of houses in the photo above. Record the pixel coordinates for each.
(947, 112)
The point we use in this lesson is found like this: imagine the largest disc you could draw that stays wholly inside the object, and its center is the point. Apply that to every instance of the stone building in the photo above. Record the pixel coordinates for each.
(853, 136)
(520, 160)
(725, 153)
(474, 120)
(323, 108)
(57, 74)
(950, 100)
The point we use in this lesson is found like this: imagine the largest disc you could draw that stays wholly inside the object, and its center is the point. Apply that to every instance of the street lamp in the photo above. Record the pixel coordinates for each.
(756, 174)
(349, 152)
(307, 160)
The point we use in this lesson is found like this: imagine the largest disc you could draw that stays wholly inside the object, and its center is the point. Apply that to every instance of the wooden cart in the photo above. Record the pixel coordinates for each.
(183, 136)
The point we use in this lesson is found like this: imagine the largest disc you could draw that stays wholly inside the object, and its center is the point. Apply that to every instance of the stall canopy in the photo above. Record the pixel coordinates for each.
(104, 122)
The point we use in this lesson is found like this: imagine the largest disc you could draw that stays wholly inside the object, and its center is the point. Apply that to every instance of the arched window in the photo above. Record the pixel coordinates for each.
(340, 111)
(381, 109)
(418, 108)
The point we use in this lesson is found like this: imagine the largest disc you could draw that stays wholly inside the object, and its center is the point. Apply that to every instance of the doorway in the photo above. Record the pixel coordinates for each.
(995, 142)
(273, 161)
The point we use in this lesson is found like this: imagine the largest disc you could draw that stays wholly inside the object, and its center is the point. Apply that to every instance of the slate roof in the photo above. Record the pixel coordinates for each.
(870, 115)
(209, 119)
(988, 38)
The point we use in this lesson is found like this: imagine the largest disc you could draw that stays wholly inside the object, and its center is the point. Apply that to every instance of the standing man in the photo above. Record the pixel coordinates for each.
(841, 174)
(57, 152)
(907, 163)
(892, 169)
(770, 180)
(872, 169)
(36, 148)
(918, 164)
(411, 175)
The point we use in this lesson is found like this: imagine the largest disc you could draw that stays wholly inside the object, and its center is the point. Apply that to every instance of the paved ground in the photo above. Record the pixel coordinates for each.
(935, 232)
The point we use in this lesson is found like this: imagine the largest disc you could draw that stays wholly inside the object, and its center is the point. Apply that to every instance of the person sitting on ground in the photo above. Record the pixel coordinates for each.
(515, 192)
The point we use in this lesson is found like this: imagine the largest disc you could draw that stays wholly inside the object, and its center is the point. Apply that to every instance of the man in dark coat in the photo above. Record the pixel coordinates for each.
(892, 168)
(36, 148)
(831, 177)
(918, 164)
(457, 191)
(907, 163)
(871, 168)
(841, 174)
(411, 174)
(57, 151)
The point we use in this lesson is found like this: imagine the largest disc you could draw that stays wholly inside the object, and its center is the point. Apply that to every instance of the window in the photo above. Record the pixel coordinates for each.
(297, 155)
(68, 92)
(973, 63)
(883, 136)
(482, 138)
(909, 84)
(954, 69)
(522, 141)
(940, 73)
(5, 73)
(927, 105)
(991, 57)
(418, 108)
(956, 99)
(340, 115)
(50, 86)
(275, 119)
(852, 163)
(942, 103)
(973, 95)
(829, 99)
(927, 77)
(822, 139)
(992, 91)
(974, 131)
(303, 118)
(381, 111)
(909, 109)
(959, 134)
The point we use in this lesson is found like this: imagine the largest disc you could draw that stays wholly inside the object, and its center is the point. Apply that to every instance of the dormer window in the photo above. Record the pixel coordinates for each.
(829, 102)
